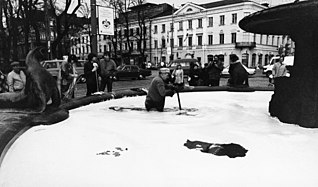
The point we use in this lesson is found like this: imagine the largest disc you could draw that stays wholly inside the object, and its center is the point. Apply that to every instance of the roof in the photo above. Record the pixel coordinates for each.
(223, 3)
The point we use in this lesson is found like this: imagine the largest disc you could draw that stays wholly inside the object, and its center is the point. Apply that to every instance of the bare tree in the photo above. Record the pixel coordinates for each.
(63, 22)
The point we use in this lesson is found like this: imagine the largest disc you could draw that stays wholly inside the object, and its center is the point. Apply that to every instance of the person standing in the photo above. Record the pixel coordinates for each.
(214, 69)
(107, 69)
(68, 74)
(16, 79)
(194, 75)
(158, 90)
(279, 69)
(90, 73)
(177, 75)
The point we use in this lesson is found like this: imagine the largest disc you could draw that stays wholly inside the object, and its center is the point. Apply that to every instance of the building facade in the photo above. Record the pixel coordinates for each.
(199, 31)
(207, 30)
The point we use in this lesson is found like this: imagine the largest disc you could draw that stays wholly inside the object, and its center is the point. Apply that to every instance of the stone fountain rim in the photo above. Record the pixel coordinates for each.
(280, 20)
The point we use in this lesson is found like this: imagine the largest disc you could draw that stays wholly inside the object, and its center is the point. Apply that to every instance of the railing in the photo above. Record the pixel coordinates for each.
(245, 44)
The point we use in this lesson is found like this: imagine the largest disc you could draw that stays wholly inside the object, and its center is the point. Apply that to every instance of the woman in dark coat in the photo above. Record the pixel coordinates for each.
(90, 72)
(214, 68)
(194, 75)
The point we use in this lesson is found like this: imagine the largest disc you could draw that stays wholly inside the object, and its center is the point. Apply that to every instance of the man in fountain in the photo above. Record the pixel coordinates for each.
(158, 90)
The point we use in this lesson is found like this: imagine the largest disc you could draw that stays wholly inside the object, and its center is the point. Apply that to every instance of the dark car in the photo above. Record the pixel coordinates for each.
(132, 72)
(185, 64)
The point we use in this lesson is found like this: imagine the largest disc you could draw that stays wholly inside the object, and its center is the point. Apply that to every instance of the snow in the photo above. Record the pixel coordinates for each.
(97, 146)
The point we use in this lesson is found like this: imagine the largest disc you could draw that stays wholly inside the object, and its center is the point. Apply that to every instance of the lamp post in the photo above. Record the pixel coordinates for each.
(94, 27)
(47, 29)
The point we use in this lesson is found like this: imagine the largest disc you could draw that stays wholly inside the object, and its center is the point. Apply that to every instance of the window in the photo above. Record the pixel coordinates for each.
(156, 29)
(180, 26)
(171, 27)
(126, 46)
(137, 31)
(189, 10)
(210, 21)
(138, 45)
(163, 43)
(156, 44)
(190, 24)
(254, 60)
(105, 37)
(221, 38)
(132, 45)
(200, 40)
(119, 34)
(180, 41)
(190, 41)
(200, 23)
(126, 32)
(234, 18)
(163, 26)
(131, 32)
(222, 19)
(210, 37)
(267, 37)
(261, 39)
(105, 48)
(233, 37)
(171, 42)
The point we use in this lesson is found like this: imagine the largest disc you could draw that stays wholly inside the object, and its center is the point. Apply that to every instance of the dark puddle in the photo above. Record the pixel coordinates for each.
(231, 150)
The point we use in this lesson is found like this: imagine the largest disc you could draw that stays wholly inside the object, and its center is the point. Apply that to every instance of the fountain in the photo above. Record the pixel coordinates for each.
(295, 99)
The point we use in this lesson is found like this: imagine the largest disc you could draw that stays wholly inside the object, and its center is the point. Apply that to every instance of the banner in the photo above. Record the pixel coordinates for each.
(105, 20)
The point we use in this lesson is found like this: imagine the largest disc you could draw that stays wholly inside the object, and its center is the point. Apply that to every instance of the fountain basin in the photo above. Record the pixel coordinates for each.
(97, 146)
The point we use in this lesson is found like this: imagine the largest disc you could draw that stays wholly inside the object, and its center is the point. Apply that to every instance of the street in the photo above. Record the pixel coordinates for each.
(257, 80)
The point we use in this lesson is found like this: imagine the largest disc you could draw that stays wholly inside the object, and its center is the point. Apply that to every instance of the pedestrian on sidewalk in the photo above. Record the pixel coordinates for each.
(107, 71)
(279, 69)
(16, 79)
(214, 69)
(90, 73)
(68, 74)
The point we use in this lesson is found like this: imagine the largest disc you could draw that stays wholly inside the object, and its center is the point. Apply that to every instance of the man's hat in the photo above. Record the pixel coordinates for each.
(15, 63)
(164, 70)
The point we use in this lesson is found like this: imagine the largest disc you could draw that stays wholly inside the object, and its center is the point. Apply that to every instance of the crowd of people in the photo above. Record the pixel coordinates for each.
(99, 74)
(210, 74)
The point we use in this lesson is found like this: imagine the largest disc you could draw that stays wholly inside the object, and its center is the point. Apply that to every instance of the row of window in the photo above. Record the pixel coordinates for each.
(199, 21)
(189, 40)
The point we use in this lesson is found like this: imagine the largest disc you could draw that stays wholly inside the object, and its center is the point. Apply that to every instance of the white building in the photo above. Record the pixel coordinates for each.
(211, 29)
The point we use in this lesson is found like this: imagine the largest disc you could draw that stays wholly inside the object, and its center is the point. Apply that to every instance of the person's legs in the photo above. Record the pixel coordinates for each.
(215, 82)
(109, 84)
(103, 84)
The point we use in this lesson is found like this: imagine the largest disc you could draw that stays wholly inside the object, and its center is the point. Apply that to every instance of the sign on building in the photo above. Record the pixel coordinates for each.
(105, 20)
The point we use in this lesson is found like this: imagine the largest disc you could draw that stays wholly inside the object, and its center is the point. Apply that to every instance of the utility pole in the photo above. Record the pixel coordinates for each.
(94, 27)
(47, 29)
(171, 57)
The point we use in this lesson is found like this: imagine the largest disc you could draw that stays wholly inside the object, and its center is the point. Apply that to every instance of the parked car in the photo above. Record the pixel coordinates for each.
(288, 60)
(185, 64)
(225, 72)
(54, 66)
(131, 71)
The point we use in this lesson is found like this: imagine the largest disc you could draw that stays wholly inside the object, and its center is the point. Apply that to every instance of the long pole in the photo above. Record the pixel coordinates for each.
(94, 27)
(179, 101)
(47, 29)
